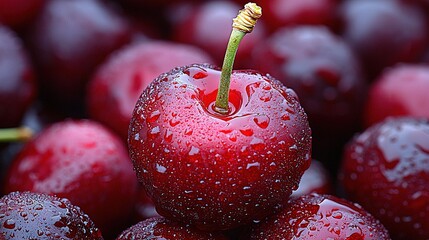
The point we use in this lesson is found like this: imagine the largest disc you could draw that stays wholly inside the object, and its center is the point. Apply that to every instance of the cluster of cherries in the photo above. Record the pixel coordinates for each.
(124, 119)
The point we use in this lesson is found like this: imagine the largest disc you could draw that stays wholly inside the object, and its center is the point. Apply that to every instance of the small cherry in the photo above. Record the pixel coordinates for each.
(320, 216)
(386, 170)
(219, 157)
(28, 215)
(316, 179)
(159, 228)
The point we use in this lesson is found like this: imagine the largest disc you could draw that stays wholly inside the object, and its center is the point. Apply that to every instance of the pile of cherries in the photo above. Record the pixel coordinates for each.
(119, 119)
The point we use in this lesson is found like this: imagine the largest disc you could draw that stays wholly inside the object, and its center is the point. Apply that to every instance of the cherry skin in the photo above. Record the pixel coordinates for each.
(18, 84)
(84, 162)
(207, 26)
(386, 170)
(212, 170)
(280, 13)
(399, 91)
(326, 75)
(316, 216)
(159, 228)
(68, 40)
(383, 32)
(316, 179)
(17, 14)
(27, 215)
(115, 88)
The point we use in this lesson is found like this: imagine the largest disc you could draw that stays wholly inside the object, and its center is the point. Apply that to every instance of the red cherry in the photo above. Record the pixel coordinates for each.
(386, 170)
(399, 91)
(316, 179)
(159, 228)
(317, 217)
(281, 13)
(26, 215)
(212, 170)
(68, 40)
(116, 86)
(83, 162)
(383, 32)
(18, 84)
(207, 25)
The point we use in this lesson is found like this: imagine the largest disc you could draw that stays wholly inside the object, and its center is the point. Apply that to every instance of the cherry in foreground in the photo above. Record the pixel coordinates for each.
(386, 170)
(315, 216)
(26, 215)
(159, 228)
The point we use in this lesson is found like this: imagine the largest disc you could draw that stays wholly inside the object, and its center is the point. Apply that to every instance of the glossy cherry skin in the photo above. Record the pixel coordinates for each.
(18, 84)
(316, 216)
(18, 13)
(115, 88)
(218, 171)
(386, 170)
(316, 179)
(207, 25)
(327, 76)
(281, 13)
(27, 215)
(84, 162)
(399, 91)
(68, 40)
(383, 32)
(159, 228)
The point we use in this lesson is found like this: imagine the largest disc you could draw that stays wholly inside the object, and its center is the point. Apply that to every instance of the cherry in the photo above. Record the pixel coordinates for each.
(399, 91)
(27, 215)
(164, 229)
(115, 88)
(326, 75)
(18, 84)
(144, 207)
(386, 170)
(84, 162)
(317, 216)
(218, 158)
(280, 13)
(383, 32)
(18, 13)
(207, 26)
(68, 40)
(316, 179)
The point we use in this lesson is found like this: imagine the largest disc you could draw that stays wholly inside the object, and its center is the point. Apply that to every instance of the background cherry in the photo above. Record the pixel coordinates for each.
(17, 14)
(386, 170)
(27, 215)
(115, 88)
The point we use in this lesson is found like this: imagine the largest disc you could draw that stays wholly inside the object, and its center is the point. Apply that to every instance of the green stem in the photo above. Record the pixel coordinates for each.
(221, 104)
(15, 134)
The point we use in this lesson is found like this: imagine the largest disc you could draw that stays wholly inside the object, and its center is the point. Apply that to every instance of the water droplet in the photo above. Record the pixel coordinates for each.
(9, 224)
(38, 207)
(168, 135)
(254, 164)
(262, 121)
(173, 122)
(154, 132)
(247, 132)
(285, 117)
(337, 215)
(194, 151)
(189, 131)
(154, 116)
(265, 96)
(257, 143)
(160, 168)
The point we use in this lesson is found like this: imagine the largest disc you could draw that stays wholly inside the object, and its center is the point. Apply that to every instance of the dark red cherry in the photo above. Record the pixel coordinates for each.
(68, 40)
(84, 162)
(316, 179)
(386, 170)
(399, 91)
(383, 32)
(159, 228)
(27, 215)
(315, 217)
(115, 88)
(17, 14)
(17, 81)
(326, 74)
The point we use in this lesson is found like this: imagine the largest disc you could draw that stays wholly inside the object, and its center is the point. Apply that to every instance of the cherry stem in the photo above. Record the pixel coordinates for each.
(15, 134)
(242, 24)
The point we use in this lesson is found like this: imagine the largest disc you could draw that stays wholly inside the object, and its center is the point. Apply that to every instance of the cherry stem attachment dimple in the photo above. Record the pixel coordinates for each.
(242, 24)
(15, 134)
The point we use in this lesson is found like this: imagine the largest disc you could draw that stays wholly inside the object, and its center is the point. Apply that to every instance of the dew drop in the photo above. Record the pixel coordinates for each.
(173, 122)
(160, 168)
(194, 151)
(247, 132)
(189, 131)
(9, 224)
(168, 135)
(262, 121)
(257, 143)
(254, 164)
(154, 116)
(154, 132)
